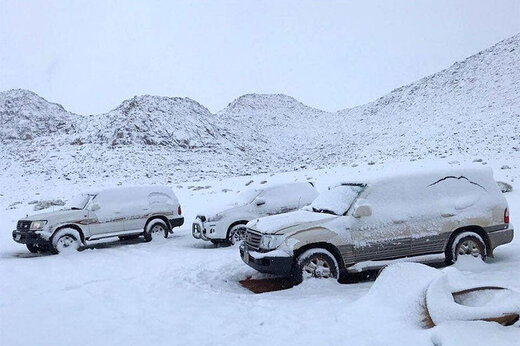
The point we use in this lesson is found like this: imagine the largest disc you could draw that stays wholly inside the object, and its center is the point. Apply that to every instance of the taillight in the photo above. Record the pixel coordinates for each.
(179, 210)
(506, 216)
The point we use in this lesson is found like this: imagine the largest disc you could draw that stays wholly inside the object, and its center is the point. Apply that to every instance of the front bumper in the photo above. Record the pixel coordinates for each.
(29, 237)
(204, 230)
(177, 222)
(501, 237)
(277, 265)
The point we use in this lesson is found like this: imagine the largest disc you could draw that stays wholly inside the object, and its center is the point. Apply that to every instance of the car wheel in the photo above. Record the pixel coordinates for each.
(315, 263)
(32, 248)
(236, 234)
(154, 229)
(470, 245)
(66, 240)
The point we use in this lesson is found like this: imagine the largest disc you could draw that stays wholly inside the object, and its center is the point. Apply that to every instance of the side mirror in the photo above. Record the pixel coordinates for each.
(362, 211)
(259, 202)
(94, 207)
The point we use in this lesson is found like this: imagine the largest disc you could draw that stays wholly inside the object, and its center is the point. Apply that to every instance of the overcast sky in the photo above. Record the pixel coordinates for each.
(91, 55)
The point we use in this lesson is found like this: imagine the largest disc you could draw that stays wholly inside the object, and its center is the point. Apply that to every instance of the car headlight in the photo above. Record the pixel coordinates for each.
(38, 224)
(216, 217)
(270, 241)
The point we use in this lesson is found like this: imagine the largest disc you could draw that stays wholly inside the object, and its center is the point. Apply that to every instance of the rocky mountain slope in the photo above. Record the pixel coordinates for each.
(472, 107)
(155, 120)
(470, 110)
(25, 115)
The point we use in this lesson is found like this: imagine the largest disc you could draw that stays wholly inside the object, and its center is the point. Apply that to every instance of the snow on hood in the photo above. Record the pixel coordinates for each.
(212, 211)
(53, 215)
(288, 221)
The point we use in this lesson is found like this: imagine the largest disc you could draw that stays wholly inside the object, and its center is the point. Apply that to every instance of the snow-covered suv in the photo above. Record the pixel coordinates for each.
(369, 222)
(226, 223)
(125, 212)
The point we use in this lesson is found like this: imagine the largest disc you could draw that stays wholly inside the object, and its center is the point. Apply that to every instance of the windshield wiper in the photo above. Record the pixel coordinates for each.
(324, 211)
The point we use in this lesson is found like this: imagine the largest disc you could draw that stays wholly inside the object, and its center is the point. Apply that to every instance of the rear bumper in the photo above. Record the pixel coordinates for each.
(177, 222)
(501, 237)
(277, 265)
(29, 237)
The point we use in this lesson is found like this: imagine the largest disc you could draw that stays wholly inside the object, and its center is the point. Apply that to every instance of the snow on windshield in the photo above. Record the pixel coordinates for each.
(246, 197)
(336, 200)
(78, 202)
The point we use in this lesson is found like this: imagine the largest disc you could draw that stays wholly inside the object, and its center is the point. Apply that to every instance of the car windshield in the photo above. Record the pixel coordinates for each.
(246, 197)
(78, 202)
(337, 200)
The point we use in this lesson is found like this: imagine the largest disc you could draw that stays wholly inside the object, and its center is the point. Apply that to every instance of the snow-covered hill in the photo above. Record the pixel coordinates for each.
(471, 110)
(155, 120)
(472, 107)
(25, 115)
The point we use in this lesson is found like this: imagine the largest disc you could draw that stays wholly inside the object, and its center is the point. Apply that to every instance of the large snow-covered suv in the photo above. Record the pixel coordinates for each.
(226, 223)
(125, 212)
(369, 222)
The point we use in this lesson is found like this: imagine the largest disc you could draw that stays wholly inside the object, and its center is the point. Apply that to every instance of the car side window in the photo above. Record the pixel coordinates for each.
(277, 199)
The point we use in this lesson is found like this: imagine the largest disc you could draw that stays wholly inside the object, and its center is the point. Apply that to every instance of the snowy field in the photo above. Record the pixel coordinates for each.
(184, 291)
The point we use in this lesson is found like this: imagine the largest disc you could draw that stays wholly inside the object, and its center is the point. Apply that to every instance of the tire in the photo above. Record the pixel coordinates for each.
(154, 228)
(236, 233)
(218, 241)
(315, 263)
(466, 244)
(65, 240)
(32, 248)
(129, 237)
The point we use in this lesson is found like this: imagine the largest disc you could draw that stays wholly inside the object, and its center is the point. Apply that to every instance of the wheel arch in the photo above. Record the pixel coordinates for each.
(73, 226)
(323, 245)
(471, 229)
(238, 222)
(155, 217)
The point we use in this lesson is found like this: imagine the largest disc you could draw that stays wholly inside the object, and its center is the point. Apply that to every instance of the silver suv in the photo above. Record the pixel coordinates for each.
(369, 222)
(126, 212)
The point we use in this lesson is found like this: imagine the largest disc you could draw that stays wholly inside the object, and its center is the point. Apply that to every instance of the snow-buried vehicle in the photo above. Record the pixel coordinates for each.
(368, 222)
(226, 224)
(125, 212)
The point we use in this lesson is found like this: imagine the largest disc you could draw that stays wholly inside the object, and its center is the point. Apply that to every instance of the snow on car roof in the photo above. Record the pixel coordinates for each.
(134, 189)
(409, 173)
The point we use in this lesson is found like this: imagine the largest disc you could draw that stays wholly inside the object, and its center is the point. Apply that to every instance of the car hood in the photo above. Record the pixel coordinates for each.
(289, 222)
(66, 214)
(211, 212)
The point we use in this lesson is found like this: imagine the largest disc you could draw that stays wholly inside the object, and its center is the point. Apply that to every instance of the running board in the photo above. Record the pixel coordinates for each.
(114, 234)
(372, 265)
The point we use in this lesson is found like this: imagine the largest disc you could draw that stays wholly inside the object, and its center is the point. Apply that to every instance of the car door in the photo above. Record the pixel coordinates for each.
(106, 214)
(373, 240)
(386, 233)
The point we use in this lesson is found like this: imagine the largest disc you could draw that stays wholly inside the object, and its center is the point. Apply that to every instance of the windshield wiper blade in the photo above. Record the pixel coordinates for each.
(324, 211)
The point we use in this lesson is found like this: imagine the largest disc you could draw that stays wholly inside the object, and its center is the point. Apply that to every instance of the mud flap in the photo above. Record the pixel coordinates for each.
(266, 285)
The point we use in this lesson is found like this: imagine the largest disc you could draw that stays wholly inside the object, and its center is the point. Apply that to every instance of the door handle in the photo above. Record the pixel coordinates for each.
(399, 221)
(447, 214)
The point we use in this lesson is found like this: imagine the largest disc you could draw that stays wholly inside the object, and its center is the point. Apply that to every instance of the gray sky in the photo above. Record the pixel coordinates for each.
(91, 55)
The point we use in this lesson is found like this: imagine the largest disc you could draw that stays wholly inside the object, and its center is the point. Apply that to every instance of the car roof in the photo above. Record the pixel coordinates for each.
(134, 189)
(418, 173)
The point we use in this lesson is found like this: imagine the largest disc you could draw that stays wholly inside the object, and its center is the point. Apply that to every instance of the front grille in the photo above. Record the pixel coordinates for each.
(253, 239)
(23, 225)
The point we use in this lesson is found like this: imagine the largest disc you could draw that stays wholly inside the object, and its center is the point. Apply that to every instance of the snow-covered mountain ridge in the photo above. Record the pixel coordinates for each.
(25, 115)
(469, 110)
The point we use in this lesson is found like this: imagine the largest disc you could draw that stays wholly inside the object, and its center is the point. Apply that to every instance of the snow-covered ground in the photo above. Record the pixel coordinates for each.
(185, 291)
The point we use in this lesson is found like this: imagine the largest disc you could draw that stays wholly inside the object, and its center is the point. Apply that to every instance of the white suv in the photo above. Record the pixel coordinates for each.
(126, 212)
(368, 222)
(226, 224)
